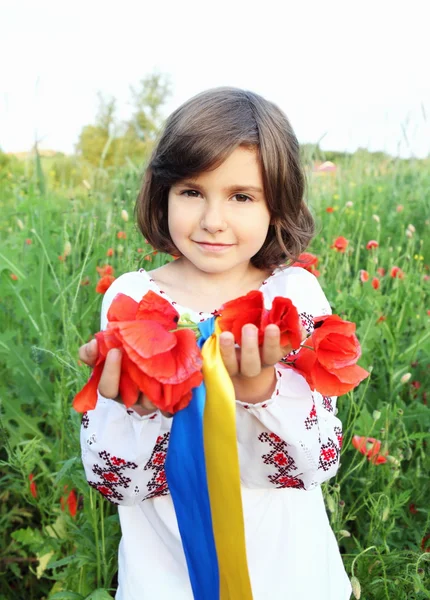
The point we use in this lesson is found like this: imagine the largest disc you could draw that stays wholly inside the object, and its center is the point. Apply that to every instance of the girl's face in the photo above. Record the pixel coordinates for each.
(218, 220)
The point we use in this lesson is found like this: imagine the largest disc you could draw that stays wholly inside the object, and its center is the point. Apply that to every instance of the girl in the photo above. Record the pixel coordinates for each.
(224, 191)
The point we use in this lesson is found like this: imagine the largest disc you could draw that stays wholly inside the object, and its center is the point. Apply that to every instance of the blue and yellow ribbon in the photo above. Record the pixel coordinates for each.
(202, 471)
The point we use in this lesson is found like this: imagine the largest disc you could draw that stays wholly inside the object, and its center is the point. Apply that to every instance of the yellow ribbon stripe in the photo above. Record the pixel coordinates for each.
(222, 468)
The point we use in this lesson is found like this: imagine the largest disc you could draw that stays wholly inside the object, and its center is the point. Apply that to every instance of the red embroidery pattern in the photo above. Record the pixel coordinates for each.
(111, 477)
(328, 403)
(338, 432)
(157, 486)
(329, 455)
(312, 419)
(281, 460)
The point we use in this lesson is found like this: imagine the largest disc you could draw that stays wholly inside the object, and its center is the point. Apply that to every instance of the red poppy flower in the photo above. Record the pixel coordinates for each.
(71, 500)
(250, 309)
(121, 235)
(157, 359)
(340, 244)
(85, 281)
(33, 488)
(28, 241)
(375, 283)
(369, 447)
(396, 272)
(327, 361)
(329, 209)
(14, 277)
(381, 271)
(424, 541)
(104, 283)
(310, 263)
(371, 244)
(413, 509)
(105, 270)
(109, 252)
(364, 276)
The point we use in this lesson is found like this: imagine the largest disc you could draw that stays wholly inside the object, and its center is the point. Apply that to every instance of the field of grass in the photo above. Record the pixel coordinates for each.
(58, 537)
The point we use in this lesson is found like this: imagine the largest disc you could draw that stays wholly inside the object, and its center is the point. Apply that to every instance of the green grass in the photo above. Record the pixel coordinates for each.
(379, 513)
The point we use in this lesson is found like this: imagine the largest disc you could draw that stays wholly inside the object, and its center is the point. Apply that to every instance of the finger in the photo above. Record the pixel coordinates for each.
(147, 407)
(304, 333)
(228, 352)
(250, 362)
(272, 351)
(109, 381)
(88, 353)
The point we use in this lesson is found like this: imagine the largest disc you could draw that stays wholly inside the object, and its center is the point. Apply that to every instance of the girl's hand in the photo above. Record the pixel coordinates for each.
(252, 368)
(109, 381)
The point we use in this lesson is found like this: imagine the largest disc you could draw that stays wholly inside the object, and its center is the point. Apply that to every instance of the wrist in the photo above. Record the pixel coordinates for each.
(256, 389)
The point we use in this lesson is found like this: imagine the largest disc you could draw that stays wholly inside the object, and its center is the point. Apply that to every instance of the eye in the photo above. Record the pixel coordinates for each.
(242, 198)
(190, 193)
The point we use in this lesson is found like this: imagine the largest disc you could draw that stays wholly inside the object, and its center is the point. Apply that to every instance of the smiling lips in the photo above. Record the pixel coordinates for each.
(214, 247)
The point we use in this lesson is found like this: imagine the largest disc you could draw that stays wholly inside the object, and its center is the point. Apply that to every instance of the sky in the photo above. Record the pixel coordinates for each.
(347, 74)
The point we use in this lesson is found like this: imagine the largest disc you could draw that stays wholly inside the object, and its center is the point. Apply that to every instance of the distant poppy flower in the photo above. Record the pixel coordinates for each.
(416, 384)
(310, 264)
(426, 278)
(412, 509)
(381, 271)
(340, 244)
(121, 235)
(28, 241)
(104, 283)
(329, 209)
(148, 257)
(61, 258)
(399, 208)
(139, 250)
(85, 281)
(109, 252)
(372, 244)
(375, 283)
(381, 318)
(157, 359)
(72, 503)
(105, 270)
(396, 272)
(369, 447)
(424, 541)
(13, 276)
(364, 276)
(33, 488)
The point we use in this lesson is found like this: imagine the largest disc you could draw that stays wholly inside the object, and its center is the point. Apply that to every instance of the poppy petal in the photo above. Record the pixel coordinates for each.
(123, 308)
(153, 307)
(86, 399)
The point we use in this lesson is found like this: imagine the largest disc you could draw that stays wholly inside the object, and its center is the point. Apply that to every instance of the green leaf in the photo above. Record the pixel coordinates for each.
(99, 594)
(66, 596)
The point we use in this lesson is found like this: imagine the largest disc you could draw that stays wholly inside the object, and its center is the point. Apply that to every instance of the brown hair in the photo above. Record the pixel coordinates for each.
(199, 136)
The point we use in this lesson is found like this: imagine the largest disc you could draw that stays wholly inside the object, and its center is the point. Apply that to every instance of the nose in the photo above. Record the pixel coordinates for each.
(213, 218)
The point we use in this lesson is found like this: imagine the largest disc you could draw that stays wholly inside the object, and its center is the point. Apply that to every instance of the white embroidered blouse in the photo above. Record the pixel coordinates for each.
(288, 445)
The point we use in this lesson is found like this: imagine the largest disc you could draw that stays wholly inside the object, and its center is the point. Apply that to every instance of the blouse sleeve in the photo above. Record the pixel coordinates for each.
(294, 438)
(123, 453)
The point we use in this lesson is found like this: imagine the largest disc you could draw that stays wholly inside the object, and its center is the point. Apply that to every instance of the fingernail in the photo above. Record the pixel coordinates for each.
(115, 353)
(251, 332)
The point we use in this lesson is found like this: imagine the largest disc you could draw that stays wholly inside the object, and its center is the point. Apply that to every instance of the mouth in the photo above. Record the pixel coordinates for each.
(214, 247)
